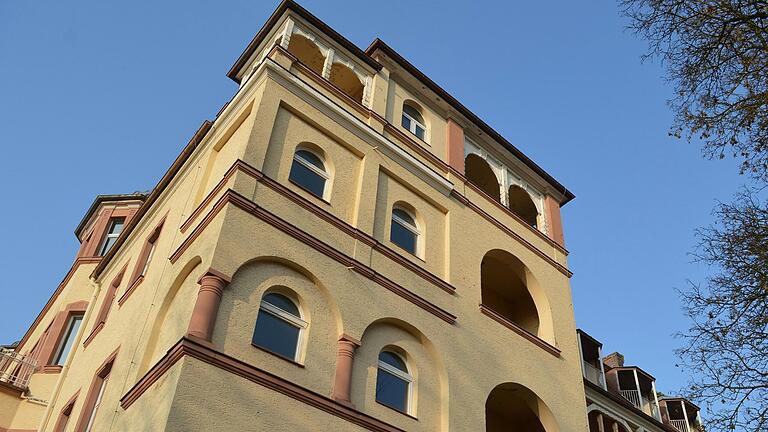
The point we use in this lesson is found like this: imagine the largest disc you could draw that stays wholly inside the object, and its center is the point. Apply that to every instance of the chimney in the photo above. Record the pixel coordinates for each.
(614, 360)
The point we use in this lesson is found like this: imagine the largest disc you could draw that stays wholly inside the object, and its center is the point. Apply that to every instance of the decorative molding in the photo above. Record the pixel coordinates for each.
(78, 262)
(519, 330)
(131, 288)
(208, 355)
(239, 201)
(323, 214)
(461, 198)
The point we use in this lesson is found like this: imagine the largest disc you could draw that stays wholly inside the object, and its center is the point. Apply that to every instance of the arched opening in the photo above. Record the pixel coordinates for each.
(596, 417)
(513, 407)
(504, 288)
(308, 171)
(480, 174)
(346, 79)
(280, 325)
(307, 52)
(404, 229)
(521, 204)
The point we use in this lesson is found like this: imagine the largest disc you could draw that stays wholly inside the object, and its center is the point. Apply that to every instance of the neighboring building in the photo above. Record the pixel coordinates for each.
(345, 247)
(624, 399)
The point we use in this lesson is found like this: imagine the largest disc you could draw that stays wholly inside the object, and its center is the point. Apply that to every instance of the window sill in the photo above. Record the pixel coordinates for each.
(280, 356)
(312, 194)
(50, 369)
(397, 411)
(519, 330)
(93, 334)
(130, 290)
(406, 253)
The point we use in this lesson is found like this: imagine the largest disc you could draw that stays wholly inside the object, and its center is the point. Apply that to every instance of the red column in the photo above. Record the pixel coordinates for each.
(342, 383)
(207, 306)
(554, 223)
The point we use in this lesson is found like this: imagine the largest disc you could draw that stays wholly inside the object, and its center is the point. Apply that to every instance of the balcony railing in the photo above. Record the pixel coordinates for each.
(680, 425)
(593, 374)
(15, 368)
(633, 396)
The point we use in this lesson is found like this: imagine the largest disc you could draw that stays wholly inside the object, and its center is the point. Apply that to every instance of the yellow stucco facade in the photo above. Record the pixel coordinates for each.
(229, 210)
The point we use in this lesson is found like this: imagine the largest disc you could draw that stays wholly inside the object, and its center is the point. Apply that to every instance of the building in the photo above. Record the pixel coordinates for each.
(623, 398)
(345, 246)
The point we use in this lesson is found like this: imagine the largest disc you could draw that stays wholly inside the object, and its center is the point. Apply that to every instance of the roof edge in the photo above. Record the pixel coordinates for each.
(380, 44)
(106, 198)
(284, 6)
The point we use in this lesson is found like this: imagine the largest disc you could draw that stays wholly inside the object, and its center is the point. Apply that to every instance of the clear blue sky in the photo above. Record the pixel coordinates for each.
(99, 97)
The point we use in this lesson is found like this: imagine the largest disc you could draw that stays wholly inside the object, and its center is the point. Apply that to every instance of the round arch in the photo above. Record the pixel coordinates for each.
(307, 52)
(509, 288)
(512, 406)
(521, 204)
(480, 174)
(347, 80)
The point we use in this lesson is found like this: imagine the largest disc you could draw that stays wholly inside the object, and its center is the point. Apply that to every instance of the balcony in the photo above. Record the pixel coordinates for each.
(680, 425)
(593, 374)
(15, 369)
(633, 396)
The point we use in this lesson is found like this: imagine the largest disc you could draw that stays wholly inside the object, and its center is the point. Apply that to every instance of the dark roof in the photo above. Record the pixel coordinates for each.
(637, 368)
(595, 341)
(107, 198)
(378, 44)
(315, 21)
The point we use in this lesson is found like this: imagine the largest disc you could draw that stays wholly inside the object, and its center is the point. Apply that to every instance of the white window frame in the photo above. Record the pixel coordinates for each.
(405, 376)
(57, 359)
(414, 122)
(111, 235)
(96, 405)
(289, 318)
(149, 258)
(309, 165)
(410, 227)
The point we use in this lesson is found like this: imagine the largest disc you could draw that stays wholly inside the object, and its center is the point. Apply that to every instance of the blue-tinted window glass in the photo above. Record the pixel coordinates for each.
(406, 122)
(276, 335)
(393, 360)
(403, 237)
(311, 158)
(68, 340)
(391, 391)
(283, 303)
(308, 179)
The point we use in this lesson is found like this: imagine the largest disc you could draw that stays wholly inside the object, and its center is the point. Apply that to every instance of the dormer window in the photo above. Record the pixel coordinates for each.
(115, 228)
(414, 121)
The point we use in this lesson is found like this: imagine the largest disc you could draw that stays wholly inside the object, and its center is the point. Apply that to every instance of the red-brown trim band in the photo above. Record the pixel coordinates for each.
(232, 197)
(188, 347)
(519, 330)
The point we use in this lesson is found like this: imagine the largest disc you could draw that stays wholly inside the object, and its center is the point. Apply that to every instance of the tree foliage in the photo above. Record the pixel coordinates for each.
(716, 55)
(727, 348)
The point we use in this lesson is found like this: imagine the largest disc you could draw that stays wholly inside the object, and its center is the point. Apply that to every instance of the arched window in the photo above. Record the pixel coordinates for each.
(346, 79)
(307, 52)
(413, 121)
(279, 326)
(393, 382)
(404, 232)
(521, 204)
(308, 171)
(480, 174)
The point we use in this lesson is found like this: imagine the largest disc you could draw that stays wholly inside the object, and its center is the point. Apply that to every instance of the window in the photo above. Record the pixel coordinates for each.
(413, 121)
(115, 227)
(64, 417)
(147, 252)
(404, 231)
(67, 339)
(393, 382)
(279, 326)
(308, 171)
(97, 403)
(95, 396)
